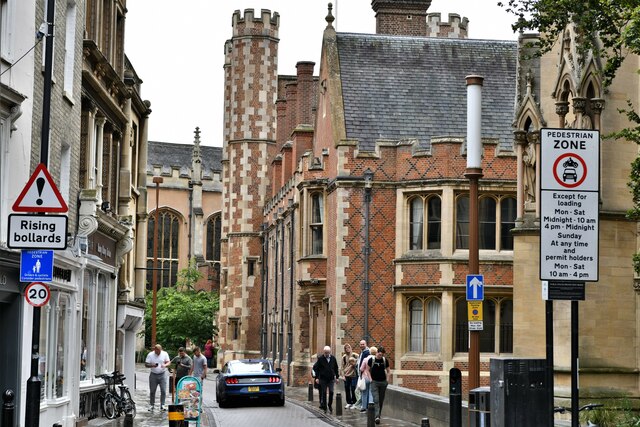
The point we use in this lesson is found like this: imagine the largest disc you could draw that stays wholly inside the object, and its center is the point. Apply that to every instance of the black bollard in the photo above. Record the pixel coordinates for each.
(128, 420)
(310, 397)
(455, 397)
(8, 408)
(338, 404)
(371, 415)
(176, 416)
(425, 422)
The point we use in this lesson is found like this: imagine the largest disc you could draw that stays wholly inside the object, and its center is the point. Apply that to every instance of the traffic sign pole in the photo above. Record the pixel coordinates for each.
(32, 412)
(569, 228)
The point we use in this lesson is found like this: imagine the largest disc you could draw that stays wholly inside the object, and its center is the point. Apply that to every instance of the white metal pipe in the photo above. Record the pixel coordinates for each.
(474, 121)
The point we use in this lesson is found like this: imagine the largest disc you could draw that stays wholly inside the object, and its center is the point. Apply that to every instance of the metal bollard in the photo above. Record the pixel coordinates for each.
(8, 408)
(128, 420)
(425, 422)
(455, 397)
(371, 415)
(176, 416)
(57, 425)
(338, 404)
(310, 397)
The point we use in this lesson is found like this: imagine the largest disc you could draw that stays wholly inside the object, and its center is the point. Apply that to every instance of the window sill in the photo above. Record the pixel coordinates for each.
(91, 385)
(411, 356)
(311, 257)
(69, 98)
(54, 403)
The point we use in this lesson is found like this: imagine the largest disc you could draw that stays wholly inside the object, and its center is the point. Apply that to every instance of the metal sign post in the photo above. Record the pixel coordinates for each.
(569, 228)
(32, 412)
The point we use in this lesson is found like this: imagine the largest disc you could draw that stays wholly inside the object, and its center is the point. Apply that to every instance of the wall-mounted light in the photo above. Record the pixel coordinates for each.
(368, 178)
(106, 207)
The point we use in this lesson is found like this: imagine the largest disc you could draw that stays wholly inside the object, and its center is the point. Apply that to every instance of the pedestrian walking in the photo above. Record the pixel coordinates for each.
(364, 353)
(208, 353)
(365, 372)
(199, 369)
(158, 361)
(348, 370)
(379, 370)
(326, 374)
(183, 365)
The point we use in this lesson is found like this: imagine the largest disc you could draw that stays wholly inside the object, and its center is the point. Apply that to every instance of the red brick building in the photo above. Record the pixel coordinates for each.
(345, 205)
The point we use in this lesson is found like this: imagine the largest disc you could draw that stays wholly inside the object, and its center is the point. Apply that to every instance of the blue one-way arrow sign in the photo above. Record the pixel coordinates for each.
(475, 287)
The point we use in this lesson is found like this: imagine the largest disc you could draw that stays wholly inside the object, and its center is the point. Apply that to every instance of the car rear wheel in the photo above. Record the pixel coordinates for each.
(280, 401)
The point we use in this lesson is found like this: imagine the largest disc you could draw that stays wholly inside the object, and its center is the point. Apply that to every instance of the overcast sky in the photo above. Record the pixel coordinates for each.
(177, 50)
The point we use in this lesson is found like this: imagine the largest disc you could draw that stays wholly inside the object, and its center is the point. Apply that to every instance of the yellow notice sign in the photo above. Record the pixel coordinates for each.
(474, 311)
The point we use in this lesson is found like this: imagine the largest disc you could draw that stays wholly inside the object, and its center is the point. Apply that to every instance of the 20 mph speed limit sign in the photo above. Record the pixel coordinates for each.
(37, 294)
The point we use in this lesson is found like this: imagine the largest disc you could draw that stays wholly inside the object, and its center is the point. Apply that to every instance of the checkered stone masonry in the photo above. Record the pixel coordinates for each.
(249, 132)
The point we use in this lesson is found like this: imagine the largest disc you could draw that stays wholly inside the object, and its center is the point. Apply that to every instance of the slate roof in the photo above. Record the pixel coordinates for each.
(169, 155)
(397, 87)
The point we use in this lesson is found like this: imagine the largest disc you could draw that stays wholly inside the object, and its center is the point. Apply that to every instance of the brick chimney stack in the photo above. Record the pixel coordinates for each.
(401, 17)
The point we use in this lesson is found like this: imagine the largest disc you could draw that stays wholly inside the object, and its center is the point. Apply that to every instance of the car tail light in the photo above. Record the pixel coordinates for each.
(231, 381)
(274, 380)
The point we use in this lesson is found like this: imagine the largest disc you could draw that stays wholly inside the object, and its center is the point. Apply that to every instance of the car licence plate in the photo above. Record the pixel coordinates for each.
(254, 389)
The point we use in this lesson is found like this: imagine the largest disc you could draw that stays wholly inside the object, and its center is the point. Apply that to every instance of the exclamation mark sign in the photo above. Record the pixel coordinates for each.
(40, 184)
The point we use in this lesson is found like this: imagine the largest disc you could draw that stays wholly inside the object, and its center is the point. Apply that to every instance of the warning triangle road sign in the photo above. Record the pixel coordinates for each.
(40, 194)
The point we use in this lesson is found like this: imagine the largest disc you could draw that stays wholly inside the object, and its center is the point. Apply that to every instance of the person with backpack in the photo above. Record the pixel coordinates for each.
(379, 371)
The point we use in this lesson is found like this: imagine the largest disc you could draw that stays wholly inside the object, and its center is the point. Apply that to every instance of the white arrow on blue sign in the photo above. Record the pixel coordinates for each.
(475, 287)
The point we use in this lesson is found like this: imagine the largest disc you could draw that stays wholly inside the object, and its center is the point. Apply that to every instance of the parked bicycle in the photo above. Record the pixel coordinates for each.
(115, 404)
(587, 407)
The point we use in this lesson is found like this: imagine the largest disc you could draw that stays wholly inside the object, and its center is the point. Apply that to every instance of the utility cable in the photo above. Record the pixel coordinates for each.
(40, 38)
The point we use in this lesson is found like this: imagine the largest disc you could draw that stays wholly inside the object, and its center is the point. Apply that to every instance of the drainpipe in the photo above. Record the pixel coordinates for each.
(368, 177)
(263, 290)
(281, 340)
(190, 184)
(274, 310)
(291, 275)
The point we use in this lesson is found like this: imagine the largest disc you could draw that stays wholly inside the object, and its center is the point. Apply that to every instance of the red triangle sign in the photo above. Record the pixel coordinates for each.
(40, 194)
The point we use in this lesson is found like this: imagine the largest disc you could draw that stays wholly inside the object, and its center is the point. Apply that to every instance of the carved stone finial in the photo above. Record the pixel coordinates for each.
(330, 18)
(196, 144)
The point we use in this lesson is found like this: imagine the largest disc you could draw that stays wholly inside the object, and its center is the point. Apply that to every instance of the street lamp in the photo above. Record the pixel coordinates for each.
(157, 180)
(474, 173)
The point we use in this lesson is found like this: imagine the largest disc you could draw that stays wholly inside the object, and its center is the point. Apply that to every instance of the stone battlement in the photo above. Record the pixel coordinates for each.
(454, 28)
(248, 24)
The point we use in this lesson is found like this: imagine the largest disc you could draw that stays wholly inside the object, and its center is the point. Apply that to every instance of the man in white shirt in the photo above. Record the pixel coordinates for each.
(157, 360)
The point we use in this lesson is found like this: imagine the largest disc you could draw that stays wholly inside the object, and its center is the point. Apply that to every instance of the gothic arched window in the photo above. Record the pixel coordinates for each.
(167, 252)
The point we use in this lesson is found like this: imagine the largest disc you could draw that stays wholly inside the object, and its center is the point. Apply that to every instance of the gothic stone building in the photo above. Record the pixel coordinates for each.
(345, 206)
(189, 201)
(564, 89)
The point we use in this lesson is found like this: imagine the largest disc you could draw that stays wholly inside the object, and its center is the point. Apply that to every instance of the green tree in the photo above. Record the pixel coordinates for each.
(182, 312)
(608, 28)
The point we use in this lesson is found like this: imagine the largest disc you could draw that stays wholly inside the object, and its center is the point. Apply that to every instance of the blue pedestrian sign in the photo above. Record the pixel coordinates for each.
(36, 266)
(475, 287)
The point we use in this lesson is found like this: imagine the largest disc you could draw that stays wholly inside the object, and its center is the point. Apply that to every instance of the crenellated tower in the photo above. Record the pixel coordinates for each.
(251, 83)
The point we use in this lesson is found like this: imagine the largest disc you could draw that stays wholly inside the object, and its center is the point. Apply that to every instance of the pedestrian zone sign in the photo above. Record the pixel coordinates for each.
(36, 266)
(475, 287)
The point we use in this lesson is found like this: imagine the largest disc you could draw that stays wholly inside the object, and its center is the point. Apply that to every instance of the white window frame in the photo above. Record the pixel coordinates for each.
(7, 28)
(70, 48)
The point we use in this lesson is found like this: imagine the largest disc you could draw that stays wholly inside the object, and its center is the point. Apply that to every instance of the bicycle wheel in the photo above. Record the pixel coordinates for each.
(109, 406)
(129, 404)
